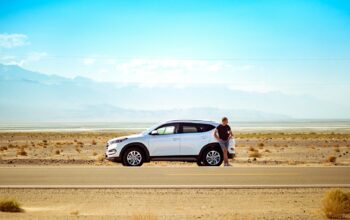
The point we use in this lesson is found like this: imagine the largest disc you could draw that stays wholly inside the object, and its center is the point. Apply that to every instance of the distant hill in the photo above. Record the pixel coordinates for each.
(31, 96)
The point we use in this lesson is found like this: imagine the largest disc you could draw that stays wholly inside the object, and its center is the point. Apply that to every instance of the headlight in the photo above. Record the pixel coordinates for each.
(112, 151)
(117, 141)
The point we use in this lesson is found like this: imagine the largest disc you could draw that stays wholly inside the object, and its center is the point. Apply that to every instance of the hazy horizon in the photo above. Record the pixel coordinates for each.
(152, 60)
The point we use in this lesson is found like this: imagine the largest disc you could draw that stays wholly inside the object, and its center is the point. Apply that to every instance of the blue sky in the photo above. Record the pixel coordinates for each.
(291, 47)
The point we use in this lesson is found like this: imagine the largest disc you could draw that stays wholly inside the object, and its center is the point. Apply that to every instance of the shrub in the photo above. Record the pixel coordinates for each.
(57, 152)
(12, 146)
(94, 142)
(252, 149)
(21, 152)
(255, 154)
(10, 205)
(336, 203)
(74, 213)
(140, 216)
(101, 158)
(331, 159)
(94, 153)
(261, 145)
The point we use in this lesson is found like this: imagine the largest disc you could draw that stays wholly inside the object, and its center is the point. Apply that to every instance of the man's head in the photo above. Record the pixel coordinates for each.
(224, 121)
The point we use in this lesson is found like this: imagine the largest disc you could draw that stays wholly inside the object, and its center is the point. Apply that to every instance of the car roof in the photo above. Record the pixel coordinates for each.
(194, 121)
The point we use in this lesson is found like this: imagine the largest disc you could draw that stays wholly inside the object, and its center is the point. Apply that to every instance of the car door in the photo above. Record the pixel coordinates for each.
(166, 141)
(192, 138)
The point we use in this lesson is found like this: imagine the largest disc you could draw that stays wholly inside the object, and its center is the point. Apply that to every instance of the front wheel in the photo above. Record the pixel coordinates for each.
(133, 157)
(212, 157)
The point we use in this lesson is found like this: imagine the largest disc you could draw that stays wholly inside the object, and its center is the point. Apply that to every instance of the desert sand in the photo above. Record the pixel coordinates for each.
(82, 148)
(253, 149)
(167, 203)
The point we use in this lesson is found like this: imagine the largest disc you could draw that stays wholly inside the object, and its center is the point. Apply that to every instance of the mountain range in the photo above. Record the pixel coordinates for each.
(31, 96)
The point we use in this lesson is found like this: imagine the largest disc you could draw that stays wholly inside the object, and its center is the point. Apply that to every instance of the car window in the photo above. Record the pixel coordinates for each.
(166, 130)
(189, 128)
(205, 127)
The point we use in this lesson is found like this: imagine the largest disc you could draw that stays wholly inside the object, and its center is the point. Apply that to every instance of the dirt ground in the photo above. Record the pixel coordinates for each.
(253, 149)
(166, 203)
(82, 148)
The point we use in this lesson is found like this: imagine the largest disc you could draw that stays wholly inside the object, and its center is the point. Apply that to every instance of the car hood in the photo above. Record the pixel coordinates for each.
(133, 136)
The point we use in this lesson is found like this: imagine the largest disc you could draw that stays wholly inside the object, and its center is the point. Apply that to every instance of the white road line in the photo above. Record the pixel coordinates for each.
(233, 174)
(174, 186)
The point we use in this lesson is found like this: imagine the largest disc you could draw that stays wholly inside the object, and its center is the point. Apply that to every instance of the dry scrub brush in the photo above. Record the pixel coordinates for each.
(143, 216)
(331, 159)
(76, 213)
(10, 205)
(336, 203)
(100, 158)
(21, 152)
(254, 152)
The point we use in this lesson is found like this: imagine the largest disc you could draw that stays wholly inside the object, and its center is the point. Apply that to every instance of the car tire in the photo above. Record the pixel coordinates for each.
(200, 162)
(212, 157)
(133, 156)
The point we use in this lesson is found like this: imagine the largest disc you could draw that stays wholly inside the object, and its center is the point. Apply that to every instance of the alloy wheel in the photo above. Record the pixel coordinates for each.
(134, 158)
(213, 157)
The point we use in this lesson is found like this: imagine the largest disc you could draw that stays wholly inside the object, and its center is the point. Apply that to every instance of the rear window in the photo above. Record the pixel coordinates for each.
(188, 128)
(195, 128)
(205, 127)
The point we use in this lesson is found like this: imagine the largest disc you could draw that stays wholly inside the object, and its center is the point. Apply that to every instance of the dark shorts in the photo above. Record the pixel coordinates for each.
(224, 144)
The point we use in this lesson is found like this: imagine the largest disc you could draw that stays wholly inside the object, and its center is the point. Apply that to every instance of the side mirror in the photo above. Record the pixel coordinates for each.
(154, 132)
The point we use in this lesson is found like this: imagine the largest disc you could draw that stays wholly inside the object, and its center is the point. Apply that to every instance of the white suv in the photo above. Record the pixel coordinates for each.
(180, 140)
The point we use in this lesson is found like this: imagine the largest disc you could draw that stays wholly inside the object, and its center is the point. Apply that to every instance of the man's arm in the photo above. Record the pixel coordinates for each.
(216, 135)
(231, 134)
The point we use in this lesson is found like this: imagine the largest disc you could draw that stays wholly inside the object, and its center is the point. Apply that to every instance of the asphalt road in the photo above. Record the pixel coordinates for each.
(123, 177)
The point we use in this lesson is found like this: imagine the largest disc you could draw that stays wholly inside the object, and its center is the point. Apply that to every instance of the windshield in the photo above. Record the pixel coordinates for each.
(148, 130)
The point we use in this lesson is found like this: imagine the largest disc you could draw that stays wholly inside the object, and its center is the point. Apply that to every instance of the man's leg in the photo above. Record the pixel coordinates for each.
(225, 155)
(224, 149)
(227, 145)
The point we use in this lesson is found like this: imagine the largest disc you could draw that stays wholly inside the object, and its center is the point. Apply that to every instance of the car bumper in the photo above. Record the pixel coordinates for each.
(114, 159)
(112, 151)
(231, 155)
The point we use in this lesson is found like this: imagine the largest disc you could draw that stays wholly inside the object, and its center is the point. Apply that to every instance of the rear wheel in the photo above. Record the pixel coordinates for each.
(212, 157)
(133, 157)
(200, 162)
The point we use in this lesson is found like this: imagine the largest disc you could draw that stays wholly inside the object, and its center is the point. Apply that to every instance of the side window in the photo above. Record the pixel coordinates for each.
(166, 130)
(189, 128)
(205, 127)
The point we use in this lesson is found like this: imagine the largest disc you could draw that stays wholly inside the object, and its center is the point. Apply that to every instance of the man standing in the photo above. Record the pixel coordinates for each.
(223, 134)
